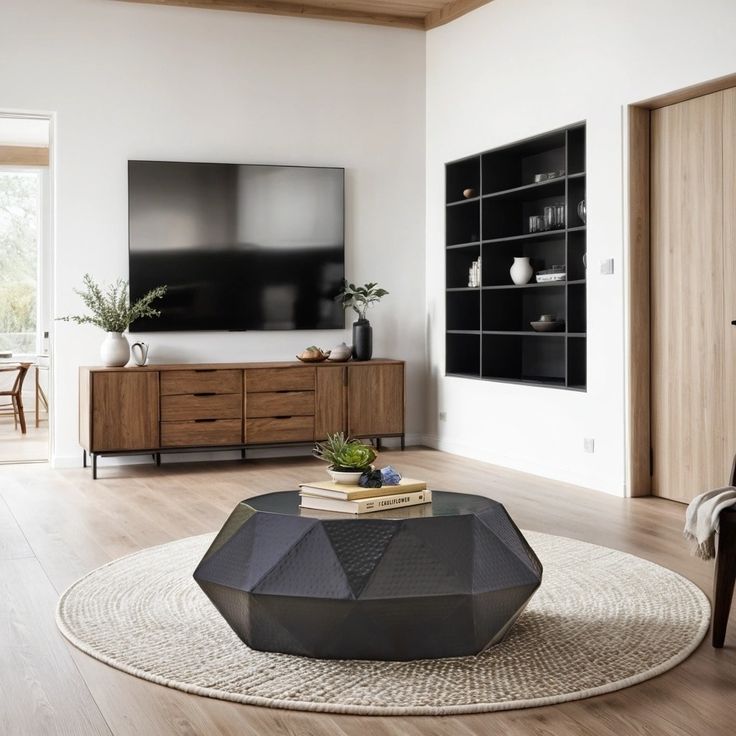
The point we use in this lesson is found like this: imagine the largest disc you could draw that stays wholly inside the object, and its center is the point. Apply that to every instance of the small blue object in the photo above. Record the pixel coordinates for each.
(390, 476)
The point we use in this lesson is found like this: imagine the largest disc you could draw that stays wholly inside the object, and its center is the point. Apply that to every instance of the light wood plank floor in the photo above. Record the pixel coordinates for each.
(57, 525)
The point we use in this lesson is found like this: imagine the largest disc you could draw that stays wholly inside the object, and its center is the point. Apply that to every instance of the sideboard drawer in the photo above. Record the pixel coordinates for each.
(279, 379)
(201, 406)
(279, 429)
(201, 381)
(201, 433)
(280, 404)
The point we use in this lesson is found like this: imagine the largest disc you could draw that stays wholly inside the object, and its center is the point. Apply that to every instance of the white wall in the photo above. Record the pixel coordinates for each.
(515, 68)
(135, 81)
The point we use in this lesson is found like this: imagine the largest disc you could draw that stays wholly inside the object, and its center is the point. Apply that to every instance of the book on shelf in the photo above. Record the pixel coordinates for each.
(330, 489)
(365, 505)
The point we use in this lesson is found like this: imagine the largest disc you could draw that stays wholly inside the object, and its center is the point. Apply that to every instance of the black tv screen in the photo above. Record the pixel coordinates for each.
(240, 246)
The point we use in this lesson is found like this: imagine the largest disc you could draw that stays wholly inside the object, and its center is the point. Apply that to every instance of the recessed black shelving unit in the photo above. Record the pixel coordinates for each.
(489, 335)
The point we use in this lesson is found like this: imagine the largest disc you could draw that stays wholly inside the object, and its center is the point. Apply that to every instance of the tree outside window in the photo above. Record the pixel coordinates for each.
(19, 234)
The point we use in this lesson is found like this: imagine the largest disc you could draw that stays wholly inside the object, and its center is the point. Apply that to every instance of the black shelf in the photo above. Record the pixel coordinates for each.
(526, 333)
(462, 201)
(489, 336)
(530, 285)
(528, 188)
(527, 236)
(463, 245)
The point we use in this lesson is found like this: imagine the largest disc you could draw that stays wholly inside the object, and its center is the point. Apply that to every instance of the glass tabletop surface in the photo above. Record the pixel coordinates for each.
(444, 503)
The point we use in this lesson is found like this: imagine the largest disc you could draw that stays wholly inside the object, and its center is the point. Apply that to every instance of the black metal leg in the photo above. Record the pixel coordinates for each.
(242, 454)
(403, 443)
(94, 466)
(84, 458)
(379, 446)
(158, 459)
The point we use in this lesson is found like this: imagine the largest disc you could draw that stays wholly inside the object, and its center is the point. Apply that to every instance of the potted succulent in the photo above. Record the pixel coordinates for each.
(360, 299)
(347, 459)
(111, 311)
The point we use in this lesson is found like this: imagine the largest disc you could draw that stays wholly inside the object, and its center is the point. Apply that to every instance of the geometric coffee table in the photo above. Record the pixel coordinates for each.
(445, 579)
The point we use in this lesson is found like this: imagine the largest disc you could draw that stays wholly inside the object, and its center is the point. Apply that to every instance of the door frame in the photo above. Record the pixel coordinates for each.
(638, 311)
(48, 203)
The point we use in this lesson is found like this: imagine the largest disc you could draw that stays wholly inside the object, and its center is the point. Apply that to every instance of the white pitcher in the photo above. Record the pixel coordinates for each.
(139, 350)
(521, 271)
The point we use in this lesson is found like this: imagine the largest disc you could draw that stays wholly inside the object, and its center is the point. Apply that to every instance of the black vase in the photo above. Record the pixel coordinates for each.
(362, 340)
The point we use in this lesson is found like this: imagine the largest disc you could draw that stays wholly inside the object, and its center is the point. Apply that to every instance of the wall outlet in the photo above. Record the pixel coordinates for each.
(588, 444)
(607, 266)
(443, 416)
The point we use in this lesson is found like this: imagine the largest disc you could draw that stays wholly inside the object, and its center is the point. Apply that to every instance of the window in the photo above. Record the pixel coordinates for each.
(20, 224)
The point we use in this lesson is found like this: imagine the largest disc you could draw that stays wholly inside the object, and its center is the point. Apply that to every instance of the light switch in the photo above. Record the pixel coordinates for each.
(607, 266)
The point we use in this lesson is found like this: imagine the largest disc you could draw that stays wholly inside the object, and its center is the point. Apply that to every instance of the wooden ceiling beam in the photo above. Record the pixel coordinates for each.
(296, 9)
(452, 10)
(24, 156)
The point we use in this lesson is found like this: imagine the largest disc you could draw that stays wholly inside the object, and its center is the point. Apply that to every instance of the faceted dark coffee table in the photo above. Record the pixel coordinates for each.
(441, 580)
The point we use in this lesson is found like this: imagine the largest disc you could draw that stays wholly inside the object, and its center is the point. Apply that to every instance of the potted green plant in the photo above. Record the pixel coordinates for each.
(110, 310)
(347, 459)
(360, 299)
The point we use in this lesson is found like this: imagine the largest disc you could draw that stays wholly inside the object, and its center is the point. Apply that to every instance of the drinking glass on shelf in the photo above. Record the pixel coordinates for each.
(550, 221)
(560, 215)
(536, 224)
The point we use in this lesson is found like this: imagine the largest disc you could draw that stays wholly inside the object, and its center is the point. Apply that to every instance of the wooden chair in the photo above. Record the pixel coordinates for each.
(16, 395)
(725, 574)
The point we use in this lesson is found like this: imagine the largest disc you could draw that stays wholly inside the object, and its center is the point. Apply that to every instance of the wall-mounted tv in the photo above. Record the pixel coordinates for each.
(240, 246)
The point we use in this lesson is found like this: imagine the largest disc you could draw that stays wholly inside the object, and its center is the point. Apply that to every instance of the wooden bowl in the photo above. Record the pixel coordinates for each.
(313, 357)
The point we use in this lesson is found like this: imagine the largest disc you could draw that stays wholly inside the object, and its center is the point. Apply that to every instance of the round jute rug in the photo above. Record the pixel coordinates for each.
(601, 620)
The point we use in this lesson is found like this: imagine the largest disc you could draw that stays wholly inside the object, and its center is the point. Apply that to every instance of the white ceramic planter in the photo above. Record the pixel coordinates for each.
(115, 350)
(521, 271)
(347, 479)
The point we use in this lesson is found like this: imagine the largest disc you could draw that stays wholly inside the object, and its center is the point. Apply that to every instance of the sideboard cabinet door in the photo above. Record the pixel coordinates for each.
(330, 401)
(375, 400)
(124, 411)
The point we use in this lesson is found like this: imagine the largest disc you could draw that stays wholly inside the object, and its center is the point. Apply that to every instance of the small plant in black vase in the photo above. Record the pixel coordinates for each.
(360, 299)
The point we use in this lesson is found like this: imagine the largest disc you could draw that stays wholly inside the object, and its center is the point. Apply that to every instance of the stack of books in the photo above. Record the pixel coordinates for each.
(330, 496)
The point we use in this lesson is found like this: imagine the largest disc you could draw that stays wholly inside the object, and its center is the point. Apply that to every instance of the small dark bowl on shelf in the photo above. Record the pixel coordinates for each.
(546, 325)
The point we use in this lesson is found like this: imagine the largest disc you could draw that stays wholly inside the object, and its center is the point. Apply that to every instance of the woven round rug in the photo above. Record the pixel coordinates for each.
(602, 620)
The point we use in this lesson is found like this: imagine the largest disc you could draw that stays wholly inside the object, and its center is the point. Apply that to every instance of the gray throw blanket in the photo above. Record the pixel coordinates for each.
(701, 520)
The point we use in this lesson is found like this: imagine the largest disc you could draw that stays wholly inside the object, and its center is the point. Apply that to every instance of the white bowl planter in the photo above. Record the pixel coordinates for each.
(346, 478)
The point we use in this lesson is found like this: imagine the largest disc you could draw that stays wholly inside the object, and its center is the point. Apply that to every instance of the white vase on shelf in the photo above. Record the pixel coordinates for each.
(521, 271)
(115, 350)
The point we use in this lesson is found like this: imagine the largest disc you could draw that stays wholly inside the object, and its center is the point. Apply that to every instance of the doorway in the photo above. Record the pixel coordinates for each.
(25, 288)
(681, 274)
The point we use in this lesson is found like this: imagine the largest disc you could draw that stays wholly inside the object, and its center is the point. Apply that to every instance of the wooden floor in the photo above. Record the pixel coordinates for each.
(16, 447)
(57, 525)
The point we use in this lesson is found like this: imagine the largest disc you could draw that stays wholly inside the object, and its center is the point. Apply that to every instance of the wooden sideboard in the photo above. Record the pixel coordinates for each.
(233, 406)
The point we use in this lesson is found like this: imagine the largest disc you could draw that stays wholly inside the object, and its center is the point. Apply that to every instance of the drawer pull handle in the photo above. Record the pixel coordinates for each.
(205, 393)
(205, 370)
(205, 420)
(284, 416)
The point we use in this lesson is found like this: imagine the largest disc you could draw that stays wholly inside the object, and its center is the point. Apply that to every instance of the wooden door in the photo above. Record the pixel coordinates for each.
(124, 411)
(688, 390)
(329, 409)
(729, 270)
(375, 400)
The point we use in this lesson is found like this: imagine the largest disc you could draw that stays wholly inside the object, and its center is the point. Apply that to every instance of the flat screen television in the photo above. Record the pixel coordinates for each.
(240, 246)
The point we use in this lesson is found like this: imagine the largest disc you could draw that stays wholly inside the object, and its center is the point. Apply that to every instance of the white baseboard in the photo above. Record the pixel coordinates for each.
(523, 465)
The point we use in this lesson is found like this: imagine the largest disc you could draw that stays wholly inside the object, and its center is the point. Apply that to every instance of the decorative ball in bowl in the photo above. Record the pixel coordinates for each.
(548, 323)
(313, 354)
